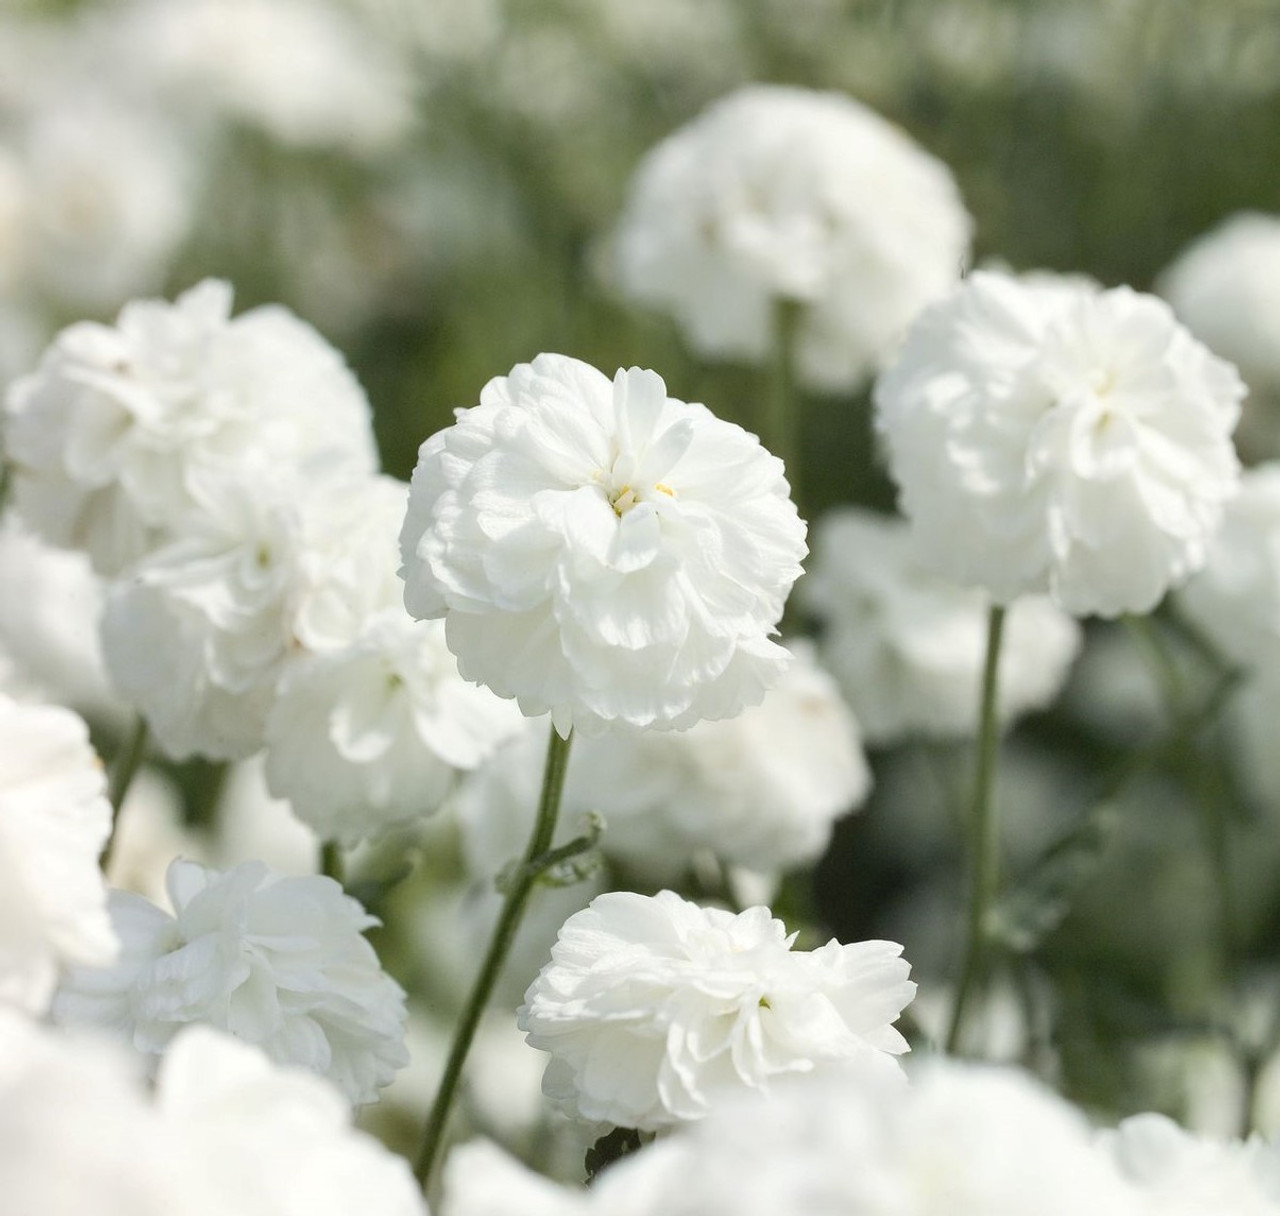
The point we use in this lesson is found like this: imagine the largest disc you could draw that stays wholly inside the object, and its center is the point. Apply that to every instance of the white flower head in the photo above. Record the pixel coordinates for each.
(908, 645)
(54, 821)
(603, 552)
(278, 962)
(1181, 1174)
(786, 194)
(654, 1008)
(1072, 441)
(109, 437)
(1235, 599)
(375, 735)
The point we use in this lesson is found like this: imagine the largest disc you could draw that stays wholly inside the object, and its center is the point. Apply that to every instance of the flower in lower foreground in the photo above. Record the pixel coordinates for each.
(603, 552)
(653, 1008)
(278, 962)
(1048, 436)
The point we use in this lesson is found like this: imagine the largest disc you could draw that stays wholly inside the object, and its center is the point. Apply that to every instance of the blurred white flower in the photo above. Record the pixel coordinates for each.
(258, 1140)
(1060, 439)
(375, 735)
(602, 552)
(276, 961)
(54, 821)
(908, 645)
(1180, 1174)
(1235, 598)
(653, 1008)
(339, 86)
(1225, 287)
(761, 790)
(785, 194)
(109, 437)
(251, 825)
(150, 833)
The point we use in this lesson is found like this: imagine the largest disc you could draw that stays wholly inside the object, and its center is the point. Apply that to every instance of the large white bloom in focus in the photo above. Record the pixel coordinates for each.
(1235, 599)
(785, 194)
(278, 962)
(654, 1008)
(1181, 1174)
(1051, 437)
(602, 552)
(375, 735)
(908, 646)
(107, 438)
(54, 822)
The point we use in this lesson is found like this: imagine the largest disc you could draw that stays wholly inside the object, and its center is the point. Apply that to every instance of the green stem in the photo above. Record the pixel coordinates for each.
(984, 841)
(521, 885)
(123, 770)
(782, 420)
(331, 861)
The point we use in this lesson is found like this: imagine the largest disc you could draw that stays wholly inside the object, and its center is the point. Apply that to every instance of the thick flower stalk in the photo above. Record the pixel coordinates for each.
(787, 197)
(279, 962)
(603, 552)
(1049, 436)
(654, 1009)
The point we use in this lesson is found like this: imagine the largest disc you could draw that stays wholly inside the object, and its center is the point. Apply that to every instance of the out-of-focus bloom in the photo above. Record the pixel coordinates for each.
(602, 552)
(251, 825)
(110, 437)
(1225, 287)
(1060, 439)
(653, 1009)
(908, 645)
(339, 86)
(279, 962)
(375, 735)
(1235, 599)
(259, 1140)
(784, 194)
(761, 790)
(1181, 1174)
(54, 821)
(149, 834)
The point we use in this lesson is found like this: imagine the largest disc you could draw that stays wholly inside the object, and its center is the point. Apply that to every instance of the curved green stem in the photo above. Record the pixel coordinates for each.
(123, 770)
(521, 883)
(984, 840)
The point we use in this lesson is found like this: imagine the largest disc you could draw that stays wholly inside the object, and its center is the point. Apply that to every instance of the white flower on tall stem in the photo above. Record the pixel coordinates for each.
(54, 821)
(1058, 438)
(603, 552)
(278, 962)
(907, 645)
(653, 1009)
(783, 194)
(107, 439)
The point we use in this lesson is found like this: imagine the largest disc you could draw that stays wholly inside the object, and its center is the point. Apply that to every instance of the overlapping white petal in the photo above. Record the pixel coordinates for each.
(653, 1009)
(602, 552)
(787, 194)
(1063, 439)
(278, 962)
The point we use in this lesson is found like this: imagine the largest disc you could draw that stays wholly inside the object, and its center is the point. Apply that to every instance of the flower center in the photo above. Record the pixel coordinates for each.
(625, 497)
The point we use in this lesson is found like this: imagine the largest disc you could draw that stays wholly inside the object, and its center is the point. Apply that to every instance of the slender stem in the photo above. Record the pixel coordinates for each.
(782, 420)
(127, 762)
(331, 861)
(518, 891)
(984, 840)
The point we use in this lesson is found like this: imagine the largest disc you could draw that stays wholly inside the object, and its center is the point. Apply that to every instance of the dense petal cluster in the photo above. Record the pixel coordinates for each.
(653, 1008)
(108, 439)
(376, 734)
(786, 194)
(1235, 599)
(1063, 439)
(761, 790)
(54, 821)
(278, 962)
(908, 645)
(226, 1134)
(602, 552)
